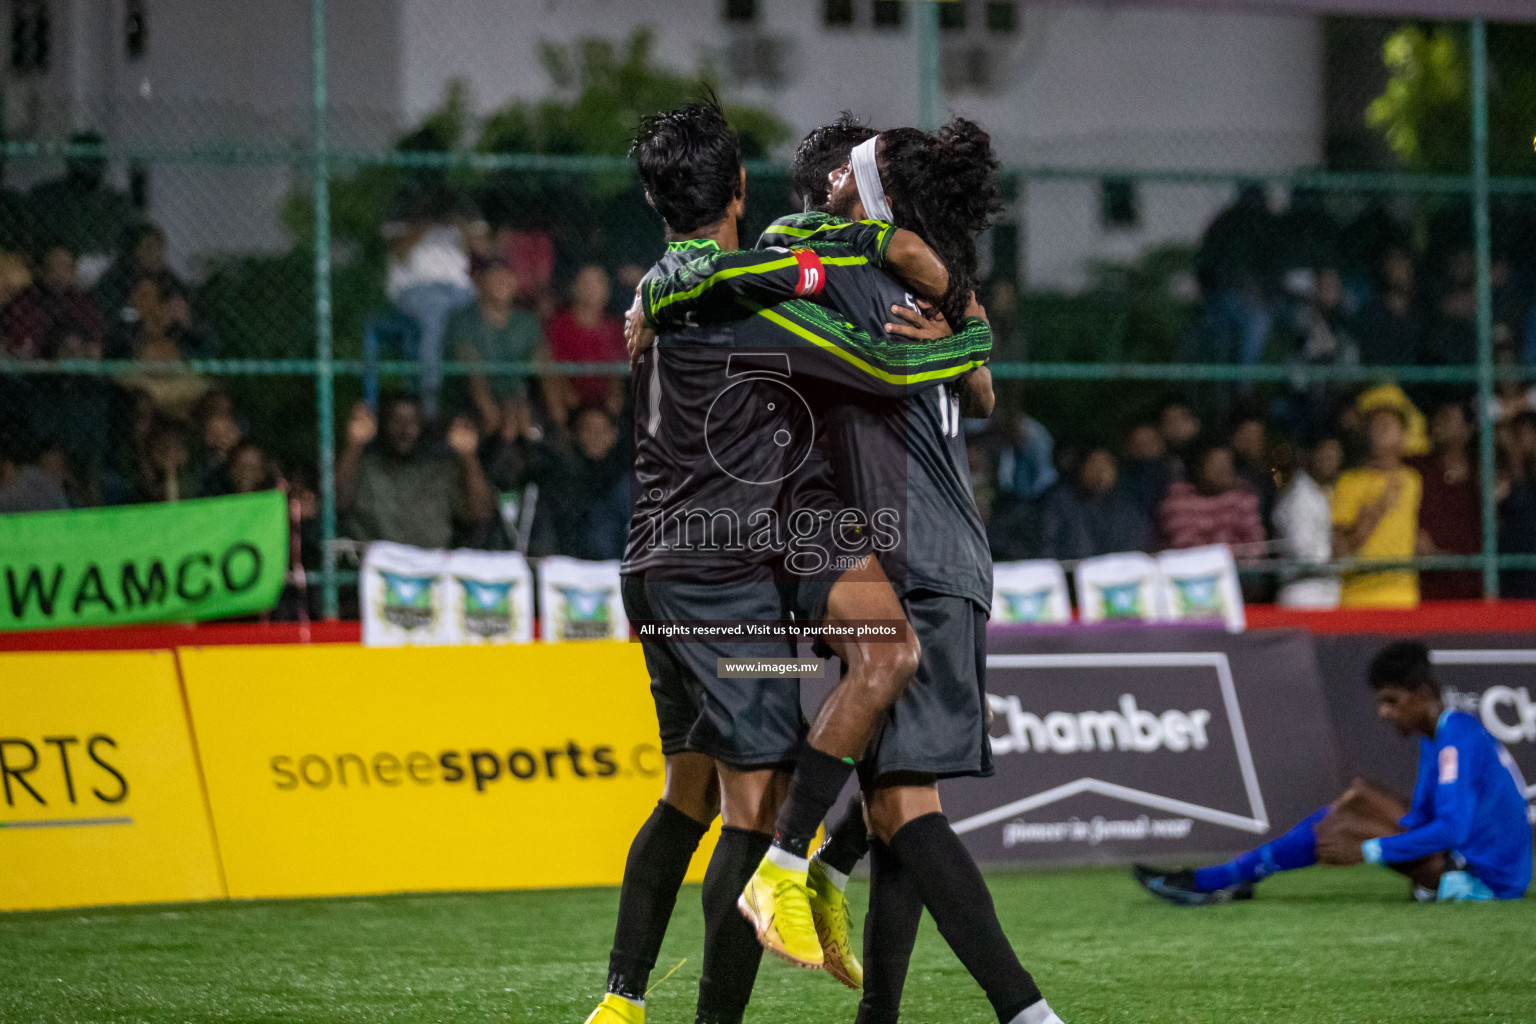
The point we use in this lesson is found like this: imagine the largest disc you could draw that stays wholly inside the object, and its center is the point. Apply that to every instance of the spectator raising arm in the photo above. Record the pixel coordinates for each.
(361, 429)
(477, 502)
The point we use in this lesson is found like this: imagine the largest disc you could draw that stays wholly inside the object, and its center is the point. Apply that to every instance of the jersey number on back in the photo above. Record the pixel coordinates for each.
(949, 412)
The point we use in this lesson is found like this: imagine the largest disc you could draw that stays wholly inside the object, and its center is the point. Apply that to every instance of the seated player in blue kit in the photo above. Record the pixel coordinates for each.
(1466, 837)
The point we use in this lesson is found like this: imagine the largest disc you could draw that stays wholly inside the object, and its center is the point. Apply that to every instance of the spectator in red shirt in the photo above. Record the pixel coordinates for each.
(1450, 516)
(1217, 508)
(55, 318)
(585, 333)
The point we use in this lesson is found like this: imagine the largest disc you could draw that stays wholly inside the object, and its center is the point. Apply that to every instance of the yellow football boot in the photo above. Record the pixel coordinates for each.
(834, 927)
(617, 1010)
(778, 904)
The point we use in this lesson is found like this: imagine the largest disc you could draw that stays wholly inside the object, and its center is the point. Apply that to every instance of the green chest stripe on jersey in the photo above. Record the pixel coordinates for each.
(835, 346)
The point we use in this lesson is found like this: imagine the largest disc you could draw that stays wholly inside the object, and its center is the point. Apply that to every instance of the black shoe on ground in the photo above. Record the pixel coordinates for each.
(1178, 887)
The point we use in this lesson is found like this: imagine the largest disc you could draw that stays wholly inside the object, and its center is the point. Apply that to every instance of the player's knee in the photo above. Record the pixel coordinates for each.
(896, 664)
(702, 805)
(881, 671)
(701, 809)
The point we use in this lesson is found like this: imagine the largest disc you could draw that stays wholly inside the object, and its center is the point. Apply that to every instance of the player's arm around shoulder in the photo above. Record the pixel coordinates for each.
(892, 249)
(730, 285)
(724, 286)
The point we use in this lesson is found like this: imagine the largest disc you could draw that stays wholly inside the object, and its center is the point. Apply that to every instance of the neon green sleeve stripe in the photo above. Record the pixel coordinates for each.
(854, 360)
(654, 304)
(785, 229)
(884, 244)
(790, 231)
(718, 276)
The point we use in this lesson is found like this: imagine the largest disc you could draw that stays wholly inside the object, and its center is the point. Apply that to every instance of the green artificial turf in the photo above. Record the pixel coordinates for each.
(1315, 947)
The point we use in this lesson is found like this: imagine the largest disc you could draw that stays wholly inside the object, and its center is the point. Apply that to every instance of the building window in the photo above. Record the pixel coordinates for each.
(1119, 203)
(31, 36)
(135, 30)
(741, 11)
(890, 13)
(952, 15)
(966, 68)
(837, 13)
(1002, 16)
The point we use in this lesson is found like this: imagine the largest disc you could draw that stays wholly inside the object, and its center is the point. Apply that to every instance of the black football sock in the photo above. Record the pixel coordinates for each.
(847, 842)
(890, 932)
(818, 779)
(958, 899)
(658, 860)
(731, 949)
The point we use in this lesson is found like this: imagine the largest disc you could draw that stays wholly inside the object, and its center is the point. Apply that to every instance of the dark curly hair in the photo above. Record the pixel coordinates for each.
(821, 152)
(943, 186)
(690, 162)
(1404, 665)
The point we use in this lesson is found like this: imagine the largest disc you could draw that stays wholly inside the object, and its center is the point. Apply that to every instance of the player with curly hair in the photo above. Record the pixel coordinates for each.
(907, 454)
(705, 439)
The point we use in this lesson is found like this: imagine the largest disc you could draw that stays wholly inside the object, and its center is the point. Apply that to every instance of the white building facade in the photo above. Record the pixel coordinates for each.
(1058, 85)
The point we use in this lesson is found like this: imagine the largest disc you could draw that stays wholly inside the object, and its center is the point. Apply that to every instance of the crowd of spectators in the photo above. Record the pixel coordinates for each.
(1383, 484)
(536, 458)
(492, 459)
(83, 278)
(1305, 283)
(1310, 288)
(533, 459)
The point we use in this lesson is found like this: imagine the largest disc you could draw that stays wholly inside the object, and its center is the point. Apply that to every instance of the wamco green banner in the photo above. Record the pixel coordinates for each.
(175, 562)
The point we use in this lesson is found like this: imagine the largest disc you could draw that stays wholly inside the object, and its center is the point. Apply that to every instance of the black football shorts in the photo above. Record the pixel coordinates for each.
(746, 722)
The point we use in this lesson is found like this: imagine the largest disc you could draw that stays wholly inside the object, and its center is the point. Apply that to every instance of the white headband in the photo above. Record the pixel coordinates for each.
(866, 173)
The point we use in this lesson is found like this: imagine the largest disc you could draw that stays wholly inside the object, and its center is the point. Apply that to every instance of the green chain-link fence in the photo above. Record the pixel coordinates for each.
(267, 273)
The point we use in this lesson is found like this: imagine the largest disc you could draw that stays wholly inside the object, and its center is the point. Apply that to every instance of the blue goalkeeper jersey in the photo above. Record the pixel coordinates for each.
(1470, 799)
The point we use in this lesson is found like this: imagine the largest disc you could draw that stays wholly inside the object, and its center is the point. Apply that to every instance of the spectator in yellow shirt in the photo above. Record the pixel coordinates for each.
(1376, 516)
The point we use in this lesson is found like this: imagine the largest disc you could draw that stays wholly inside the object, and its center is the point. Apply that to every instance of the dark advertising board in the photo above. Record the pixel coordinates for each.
(1489, 675)
(1160, 744)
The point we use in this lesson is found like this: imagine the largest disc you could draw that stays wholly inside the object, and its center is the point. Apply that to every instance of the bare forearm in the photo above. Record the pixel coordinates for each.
(910, 258)
(346, 474)
(479, 502)
(485, 404)
(977, 398)
(559, 397)
(1348, 540)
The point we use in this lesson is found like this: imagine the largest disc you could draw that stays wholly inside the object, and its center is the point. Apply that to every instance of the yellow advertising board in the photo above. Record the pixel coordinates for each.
(339, 769)
(102, 802)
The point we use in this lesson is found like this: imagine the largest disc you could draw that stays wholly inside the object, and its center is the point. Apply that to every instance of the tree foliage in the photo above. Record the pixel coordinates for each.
(599, 90)
(1425, 111)
(599, 93)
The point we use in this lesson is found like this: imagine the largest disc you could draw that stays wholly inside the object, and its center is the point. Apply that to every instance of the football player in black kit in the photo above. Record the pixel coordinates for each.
(910, 453)
(710, 456)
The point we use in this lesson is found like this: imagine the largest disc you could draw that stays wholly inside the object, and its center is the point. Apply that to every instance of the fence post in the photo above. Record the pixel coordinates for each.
(325, 393)
(930, 81)
(1483, 240)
